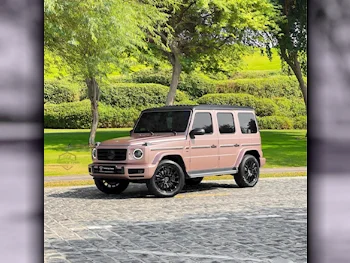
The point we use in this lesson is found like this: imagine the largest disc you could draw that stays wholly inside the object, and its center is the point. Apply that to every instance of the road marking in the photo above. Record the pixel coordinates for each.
(262, 216)
(301, 214)
(99, 227)
(299, 221)
(170, 254)
(151, 223)
(200, 195)
(208, 219)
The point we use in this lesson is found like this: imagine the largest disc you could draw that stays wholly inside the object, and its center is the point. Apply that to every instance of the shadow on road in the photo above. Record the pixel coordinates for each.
(134, 191)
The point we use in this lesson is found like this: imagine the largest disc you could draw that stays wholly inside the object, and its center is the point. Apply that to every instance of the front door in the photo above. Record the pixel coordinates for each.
(204, 148)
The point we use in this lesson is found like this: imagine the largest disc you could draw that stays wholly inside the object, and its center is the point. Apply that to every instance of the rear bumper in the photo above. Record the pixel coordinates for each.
(262, 161)
(121, 171)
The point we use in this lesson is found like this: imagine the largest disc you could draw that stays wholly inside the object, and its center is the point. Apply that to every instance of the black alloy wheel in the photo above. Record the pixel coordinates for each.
(248, 172)
(111, 186)
(168, 179)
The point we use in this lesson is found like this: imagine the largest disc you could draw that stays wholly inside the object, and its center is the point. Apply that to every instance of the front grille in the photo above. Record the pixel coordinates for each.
(111, 154)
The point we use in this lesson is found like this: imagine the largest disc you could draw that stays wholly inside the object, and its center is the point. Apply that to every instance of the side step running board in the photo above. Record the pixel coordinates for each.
(211, 173)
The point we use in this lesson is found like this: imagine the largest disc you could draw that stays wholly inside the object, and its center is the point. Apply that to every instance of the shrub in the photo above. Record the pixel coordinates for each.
(252, 74)
(60, 91)
(136, 95)
(263, 107)
(290, 107)
(194, 84)
(298, 107)
(275, 122)
(300, 122)
(281, 86)
(77, 115)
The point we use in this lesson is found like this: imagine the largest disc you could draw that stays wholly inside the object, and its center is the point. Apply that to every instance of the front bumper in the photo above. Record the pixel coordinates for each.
(121, 171)
(262, 161)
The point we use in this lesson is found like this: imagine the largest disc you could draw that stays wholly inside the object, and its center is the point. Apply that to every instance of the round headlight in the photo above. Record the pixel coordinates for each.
(94, 153)
(138, 153)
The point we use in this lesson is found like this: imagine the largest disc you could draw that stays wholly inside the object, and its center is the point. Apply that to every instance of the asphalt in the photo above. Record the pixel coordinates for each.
(87, 177)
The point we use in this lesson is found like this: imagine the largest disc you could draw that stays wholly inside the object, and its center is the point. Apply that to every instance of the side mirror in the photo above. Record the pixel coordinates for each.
(197, 131)
(131, 132)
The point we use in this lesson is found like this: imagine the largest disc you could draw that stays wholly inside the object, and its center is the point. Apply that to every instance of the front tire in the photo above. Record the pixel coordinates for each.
(110, 186)
(248, 172)
(168, 179)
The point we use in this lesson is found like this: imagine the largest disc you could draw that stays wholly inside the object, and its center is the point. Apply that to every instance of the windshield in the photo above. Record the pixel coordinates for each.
(166, 121)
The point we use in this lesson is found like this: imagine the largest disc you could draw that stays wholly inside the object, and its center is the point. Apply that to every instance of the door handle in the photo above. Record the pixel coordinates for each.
(213, 146)
(236, 145)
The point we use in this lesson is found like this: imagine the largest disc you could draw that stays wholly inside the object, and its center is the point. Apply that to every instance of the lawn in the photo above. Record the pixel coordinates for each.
(67, 153)
(257, 61)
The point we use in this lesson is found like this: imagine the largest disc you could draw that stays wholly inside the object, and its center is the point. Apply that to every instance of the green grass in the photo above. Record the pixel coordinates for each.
(285, 148)
(256, 61)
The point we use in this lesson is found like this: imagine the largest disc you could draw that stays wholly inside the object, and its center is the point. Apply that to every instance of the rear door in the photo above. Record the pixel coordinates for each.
(229, 142)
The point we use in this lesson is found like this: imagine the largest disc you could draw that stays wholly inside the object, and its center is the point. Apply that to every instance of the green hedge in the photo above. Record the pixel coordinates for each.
(77, 115)
(282, 122)
(136, 95)
(263, 107)
(252, 74)
(194, 84)
(275, 123)
(290, 107)
(281, 86)
(300, 122)
(60, 91)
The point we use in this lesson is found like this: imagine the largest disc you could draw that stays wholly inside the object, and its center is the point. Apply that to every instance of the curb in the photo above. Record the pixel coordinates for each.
(88, 177)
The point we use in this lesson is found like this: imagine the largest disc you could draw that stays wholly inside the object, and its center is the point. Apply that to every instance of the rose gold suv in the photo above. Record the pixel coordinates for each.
(176, 145)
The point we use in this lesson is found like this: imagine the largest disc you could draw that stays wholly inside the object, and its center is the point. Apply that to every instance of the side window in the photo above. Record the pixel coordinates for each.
(203, 120)
(226, 123)
(247, 123)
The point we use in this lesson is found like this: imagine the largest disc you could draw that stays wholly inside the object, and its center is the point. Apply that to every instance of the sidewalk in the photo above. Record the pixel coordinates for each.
(88, 177)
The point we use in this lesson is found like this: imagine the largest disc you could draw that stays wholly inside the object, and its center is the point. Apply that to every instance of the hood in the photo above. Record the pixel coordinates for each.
(139, 140)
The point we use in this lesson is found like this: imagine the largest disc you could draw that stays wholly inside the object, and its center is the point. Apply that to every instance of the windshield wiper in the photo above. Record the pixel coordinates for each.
(175, 133)
(151, 132)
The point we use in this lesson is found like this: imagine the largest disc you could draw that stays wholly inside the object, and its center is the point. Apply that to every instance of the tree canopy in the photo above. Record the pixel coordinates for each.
(91, 35)
(209, 34)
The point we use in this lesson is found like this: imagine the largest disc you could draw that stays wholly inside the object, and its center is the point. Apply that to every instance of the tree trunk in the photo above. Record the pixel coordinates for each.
(292, 61)
(175, 62)
(297, 71)
(94, 95)
(299, 75)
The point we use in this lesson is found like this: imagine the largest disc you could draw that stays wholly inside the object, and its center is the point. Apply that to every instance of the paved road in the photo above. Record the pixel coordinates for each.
(213, 222)
(87, 177)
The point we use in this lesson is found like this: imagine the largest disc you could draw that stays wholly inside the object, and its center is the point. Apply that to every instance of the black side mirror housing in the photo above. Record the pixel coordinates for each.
(197, 131)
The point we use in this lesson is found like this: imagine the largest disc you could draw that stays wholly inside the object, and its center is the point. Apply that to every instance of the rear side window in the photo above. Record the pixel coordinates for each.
(247, 122)
(226, 123)
(203, 120)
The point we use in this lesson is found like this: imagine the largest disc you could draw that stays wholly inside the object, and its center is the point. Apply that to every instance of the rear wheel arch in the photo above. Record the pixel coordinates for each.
(254, 153)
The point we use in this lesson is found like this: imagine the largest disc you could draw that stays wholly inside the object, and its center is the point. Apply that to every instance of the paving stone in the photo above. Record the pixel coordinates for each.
(212, 222)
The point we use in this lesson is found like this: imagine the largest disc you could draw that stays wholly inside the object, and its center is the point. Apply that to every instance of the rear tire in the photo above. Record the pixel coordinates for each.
(248, 172)
(168, 179)
(110, 186)
(194, 181)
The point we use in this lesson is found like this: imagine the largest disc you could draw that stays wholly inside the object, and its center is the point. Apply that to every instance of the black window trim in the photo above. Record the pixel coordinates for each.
(211, 119)
(233, 118)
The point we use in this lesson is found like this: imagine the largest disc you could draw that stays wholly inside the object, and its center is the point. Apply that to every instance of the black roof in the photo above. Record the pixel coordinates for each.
(200, 107)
